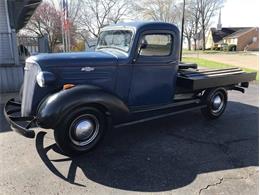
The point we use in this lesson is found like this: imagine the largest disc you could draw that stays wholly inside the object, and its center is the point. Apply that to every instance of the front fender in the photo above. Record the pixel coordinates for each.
(57, 105)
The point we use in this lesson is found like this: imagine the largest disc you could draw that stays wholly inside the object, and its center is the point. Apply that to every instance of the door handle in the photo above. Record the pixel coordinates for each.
(173, 62)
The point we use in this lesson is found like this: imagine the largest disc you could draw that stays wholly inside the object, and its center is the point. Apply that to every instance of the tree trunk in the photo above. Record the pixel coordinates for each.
(203, 23)
(196, 34)
(195, 44)
(203, 36)
(189, 43)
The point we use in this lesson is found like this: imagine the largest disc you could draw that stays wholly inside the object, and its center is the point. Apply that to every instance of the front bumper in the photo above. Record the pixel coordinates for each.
(19, 124)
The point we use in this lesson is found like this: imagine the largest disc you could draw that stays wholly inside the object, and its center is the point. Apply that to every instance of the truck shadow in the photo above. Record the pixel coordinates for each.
(165, 154)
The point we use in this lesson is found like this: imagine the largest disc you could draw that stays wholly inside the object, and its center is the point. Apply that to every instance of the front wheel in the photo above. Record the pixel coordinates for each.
(80, 131)
(216, 101)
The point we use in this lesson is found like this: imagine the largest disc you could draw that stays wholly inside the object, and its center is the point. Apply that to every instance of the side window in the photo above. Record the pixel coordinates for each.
(155, 45)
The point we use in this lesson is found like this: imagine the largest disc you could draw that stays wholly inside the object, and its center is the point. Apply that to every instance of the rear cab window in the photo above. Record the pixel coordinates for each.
(156, 45)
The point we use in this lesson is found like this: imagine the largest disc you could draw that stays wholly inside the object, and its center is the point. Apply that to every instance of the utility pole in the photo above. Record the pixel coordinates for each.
(182, 28)
(65, 27)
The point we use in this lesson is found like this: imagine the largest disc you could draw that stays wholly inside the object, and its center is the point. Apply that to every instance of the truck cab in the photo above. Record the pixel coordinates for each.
(134, 75)
(148, 74)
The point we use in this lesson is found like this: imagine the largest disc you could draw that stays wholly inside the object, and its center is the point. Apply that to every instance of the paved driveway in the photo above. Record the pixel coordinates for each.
(184, 154)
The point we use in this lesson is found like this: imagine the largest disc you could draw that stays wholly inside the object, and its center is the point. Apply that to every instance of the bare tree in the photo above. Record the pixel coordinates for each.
(207, 9)
(158, 10)
(96, 14)
(74, 7)
(188, 31)
(191, 26)
(46, 20)
(196, 19)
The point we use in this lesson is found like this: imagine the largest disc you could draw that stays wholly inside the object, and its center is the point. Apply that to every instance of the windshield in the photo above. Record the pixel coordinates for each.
(117, 39)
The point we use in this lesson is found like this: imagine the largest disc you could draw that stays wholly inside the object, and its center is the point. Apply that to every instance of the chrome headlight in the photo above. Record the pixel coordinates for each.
(44, 78)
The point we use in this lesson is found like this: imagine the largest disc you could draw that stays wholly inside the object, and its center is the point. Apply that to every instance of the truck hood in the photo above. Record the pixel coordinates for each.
(67, 68)
(75, 59)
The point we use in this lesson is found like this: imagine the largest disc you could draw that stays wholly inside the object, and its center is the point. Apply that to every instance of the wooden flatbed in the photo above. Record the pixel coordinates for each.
(196, 79)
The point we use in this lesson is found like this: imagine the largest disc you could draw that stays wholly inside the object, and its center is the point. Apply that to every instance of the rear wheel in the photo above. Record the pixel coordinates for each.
(216, 101)
(80, 131)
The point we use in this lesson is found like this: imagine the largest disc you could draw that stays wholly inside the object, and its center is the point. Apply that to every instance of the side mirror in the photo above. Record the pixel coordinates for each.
(143, 45)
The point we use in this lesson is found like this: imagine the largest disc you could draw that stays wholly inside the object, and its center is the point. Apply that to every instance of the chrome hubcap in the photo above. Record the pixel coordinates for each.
(84, 129)
(217, 103)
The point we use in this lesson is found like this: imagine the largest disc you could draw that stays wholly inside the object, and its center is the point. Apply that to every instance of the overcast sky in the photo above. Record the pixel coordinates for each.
(236, 13)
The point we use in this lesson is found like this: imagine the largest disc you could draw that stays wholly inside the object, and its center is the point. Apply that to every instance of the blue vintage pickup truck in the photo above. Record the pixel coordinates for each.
(133, 76)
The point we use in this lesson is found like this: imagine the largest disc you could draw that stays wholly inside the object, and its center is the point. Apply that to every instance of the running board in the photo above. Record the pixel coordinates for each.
(176, 103)
(159, 116)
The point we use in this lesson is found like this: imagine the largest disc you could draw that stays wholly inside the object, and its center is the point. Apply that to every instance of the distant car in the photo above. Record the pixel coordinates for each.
(133, 76)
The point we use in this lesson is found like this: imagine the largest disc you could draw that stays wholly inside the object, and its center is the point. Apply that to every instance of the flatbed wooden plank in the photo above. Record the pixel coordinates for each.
(211, 73)
(215, 74)
(190, 73)
(197, 83)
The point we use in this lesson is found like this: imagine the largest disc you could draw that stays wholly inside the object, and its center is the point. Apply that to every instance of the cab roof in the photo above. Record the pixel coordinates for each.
(140, 25)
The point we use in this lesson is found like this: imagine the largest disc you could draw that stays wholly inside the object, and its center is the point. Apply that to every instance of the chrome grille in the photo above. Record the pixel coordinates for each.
(30, 72)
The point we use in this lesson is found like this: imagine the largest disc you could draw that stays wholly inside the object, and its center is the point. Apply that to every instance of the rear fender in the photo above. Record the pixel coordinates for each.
(58, 105)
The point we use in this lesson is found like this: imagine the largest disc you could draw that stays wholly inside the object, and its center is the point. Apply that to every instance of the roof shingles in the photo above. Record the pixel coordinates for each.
(218, 35)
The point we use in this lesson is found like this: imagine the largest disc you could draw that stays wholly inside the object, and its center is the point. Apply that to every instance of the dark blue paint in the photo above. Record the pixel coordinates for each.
(137, 81)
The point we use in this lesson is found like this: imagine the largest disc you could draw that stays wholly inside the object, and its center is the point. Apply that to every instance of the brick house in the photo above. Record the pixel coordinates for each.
(246, 39)
(215, 36)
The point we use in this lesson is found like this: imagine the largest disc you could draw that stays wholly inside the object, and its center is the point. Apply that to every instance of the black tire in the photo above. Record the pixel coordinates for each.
(214, 110)
(65, 133)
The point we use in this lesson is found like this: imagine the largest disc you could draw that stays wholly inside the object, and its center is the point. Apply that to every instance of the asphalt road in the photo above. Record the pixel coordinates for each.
(183, 154)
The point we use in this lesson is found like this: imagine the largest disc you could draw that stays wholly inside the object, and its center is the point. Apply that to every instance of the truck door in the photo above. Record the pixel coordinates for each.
(154, 69)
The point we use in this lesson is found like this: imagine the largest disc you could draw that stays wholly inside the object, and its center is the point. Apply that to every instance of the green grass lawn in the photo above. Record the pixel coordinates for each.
(213, 64)
(185, 51)
(212, 52)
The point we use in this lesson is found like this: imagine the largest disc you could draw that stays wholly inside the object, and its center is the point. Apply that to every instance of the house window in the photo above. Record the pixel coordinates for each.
(233, 41)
